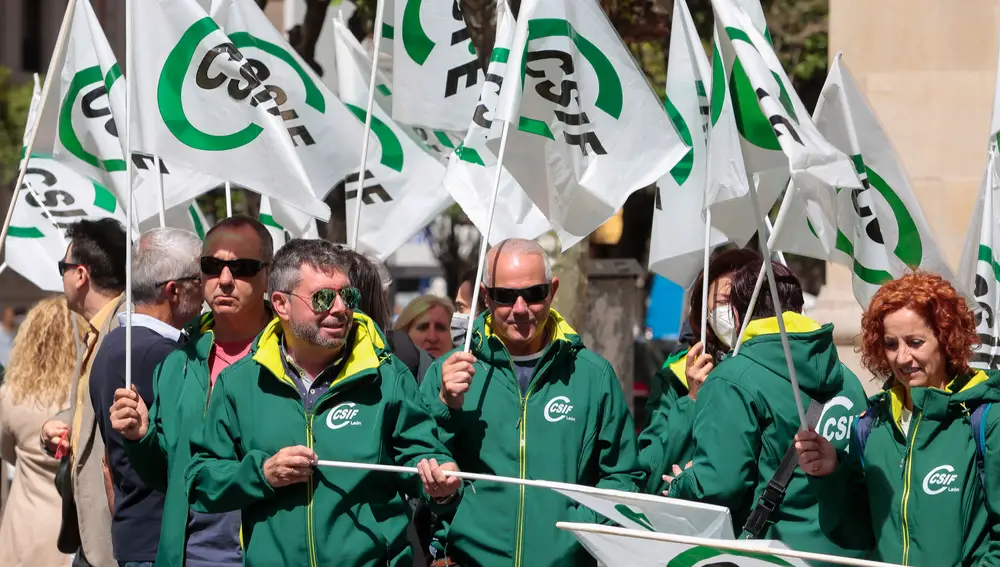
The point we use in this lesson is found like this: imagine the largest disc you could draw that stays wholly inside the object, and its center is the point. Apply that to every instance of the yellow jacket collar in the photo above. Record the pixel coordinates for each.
(897, 392)
(367, 349)
(556, 328)
(794, 323)
(679, 368)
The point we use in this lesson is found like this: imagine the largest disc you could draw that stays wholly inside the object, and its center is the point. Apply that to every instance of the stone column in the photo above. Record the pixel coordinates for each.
(928, 69)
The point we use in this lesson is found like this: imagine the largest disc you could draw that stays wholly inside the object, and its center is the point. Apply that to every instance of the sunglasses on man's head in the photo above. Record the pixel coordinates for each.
(240, 268)
(65, 266)
(508, 296)
(322, 300)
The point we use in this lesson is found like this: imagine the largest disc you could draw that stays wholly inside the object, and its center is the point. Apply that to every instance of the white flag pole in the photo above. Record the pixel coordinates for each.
(793, 378)
(484, 246)
(229, 199)
(377, 31)
(129, 204)
(159, 192)
(738, 545)
(776, 254)
(771, 239)
(3, 267)
(58, 57)
(704, 278)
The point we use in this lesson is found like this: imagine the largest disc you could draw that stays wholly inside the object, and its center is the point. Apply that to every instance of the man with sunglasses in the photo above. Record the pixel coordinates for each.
(320, 383)
(233, 271)
(528, 401)
(93, 273)
(166, 292)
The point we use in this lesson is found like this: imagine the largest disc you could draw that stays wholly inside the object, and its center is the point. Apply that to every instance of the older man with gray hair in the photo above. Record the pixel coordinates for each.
(323, 377)
(166, 292)
(529, 401)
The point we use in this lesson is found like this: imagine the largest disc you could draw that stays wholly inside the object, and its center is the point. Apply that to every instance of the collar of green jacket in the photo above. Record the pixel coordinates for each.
(678, 365)
(561, 335)
(200, 335)
(817, 366)
(368, 350)
(960, 394)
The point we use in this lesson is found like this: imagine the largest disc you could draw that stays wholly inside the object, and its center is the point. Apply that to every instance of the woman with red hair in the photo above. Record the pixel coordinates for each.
(926, 449)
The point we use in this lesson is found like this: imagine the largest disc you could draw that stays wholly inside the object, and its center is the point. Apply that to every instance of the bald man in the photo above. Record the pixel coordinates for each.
(529, 401)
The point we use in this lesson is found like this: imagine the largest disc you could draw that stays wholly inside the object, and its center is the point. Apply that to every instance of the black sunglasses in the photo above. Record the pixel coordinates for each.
(322, 300)
(65, 266)
(240, 268)
(508, 296)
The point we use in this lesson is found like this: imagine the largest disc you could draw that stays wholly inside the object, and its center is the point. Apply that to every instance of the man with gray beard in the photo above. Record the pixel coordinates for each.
(319, 382)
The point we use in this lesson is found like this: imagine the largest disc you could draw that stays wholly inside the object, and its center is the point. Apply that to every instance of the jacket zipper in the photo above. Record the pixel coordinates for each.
(310, 531)
(905, 504)
(522, 458)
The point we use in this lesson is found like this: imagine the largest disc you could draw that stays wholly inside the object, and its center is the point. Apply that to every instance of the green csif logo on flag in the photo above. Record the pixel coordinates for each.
(704, 556)
(251, 85)
(418, 45)
(559, 87)
(64, 206)
(87, 89)
(909, 245)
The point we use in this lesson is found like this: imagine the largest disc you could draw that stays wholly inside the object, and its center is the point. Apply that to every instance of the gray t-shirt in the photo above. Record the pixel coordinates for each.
(524, 367)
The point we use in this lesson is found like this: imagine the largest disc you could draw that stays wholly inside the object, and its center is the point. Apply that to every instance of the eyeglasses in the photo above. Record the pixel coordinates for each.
(240, 268)
(322, 300)
(178, 280)
(65, 266)
(508, 296)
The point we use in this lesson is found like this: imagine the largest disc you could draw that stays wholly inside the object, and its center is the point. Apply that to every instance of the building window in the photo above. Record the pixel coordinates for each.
(31, 35)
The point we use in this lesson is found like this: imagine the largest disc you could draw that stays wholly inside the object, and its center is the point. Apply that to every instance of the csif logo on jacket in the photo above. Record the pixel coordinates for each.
(835, 421)
(342, 416)
(940, 479)
(558, 408)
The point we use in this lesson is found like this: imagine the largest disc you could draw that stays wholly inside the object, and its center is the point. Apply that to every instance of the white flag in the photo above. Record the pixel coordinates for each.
(472, 168)
(878, 231)
(777, 138)
(435, 64)
(257, 119)
(676, 247)
(37, 241)
(654, 513)
(979, 269)
(278, 234)
(616, 547)
(78, 126)
(187, 216)
(402, 191)
(586, 131)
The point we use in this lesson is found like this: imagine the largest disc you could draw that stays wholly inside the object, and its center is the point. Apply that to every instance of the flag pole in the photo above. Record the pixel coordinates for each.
(58, 57)
(776, 302)
(129, 203)
(704, 278)
(372, 81)
(484, 246)
(159, 191)
(771, 239)
(229, 199)
(3, 267)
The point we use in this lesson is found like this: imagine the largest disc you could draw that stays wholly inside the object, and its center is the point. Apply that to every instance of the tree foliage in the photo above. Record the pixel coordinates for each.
(15, 99)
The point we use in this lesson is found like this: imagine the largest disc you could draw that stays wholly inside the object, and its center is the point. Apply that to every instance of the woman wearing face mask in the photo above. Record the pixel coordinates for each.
(746, 419)
(924, 455)
(666, 439)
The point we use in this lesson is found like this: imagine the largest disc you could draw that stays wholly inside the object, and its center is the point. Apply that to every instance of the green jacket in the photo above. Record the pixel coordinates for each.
(180, 396)
(345, 517)
(928, 505)
(745, 421)
(572, 425)
(666, 440)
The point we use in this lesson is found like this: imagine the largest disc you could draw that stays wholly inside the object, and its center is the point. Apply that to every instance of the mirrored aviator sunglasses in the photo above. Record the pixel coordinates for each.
(323, 299)
(508, 296)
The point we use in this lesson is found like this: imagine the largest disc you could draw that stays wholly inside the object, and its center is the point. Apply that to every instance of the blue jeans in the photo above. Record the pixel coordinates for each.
(136, 564)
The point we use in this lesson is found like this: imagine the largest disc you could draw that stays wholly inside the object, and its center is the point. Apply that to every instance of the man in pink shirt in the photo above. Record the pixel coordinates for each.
(234, 272)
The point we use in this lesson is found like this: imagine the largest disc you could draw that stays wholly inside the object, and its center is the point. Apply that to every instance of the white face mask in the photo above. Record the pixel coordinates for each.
(723, 324)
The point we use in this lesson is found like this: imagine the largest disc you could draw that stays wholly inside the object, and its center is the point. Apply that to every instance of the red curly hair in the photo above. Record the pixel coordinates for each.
(943, 309)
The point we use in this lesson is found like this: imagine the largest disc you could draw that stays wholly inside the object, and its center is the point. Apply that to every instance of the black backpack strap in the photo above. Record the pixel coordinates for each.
(774, 492)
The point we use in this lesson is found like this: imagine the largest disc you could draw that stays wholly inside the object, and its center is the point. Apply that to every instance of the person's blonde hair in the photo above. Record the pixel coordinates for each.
(420, 305)
(44, 354)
